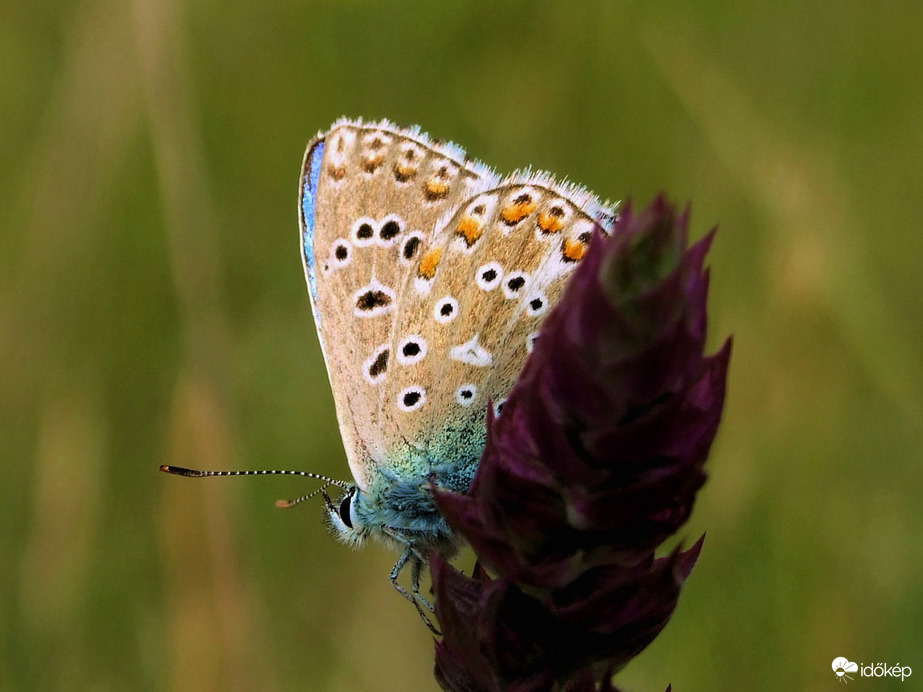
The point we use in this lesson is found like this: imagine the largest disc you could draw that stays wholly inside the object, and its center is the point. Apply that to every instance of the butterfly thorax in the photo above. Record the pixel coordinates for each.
(398, 510)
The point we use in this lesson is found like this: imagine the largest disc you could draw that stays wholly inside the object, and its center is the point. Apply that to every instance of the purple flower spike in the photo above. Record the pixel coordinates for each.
(594, 462)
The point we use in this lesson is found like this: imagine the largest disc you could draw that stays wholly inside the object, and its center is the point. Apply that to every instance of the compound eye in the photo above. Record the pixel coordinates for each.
(345, 506)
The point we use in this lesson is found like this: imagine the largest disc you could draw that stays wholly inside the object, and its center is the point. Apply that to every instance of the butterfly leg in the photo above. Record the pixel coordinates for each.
(395, 572)
(416, 568)
(409, 555)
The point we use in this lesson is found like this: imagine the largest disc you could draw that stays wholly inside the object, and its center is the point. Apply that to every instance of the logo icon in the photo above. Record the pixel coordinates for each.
(842, 666)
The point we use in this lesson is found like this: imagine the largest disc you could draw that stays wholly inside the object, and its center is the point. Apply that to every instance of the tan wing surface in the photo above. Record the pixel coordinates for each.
(488, 274)
(371, 195)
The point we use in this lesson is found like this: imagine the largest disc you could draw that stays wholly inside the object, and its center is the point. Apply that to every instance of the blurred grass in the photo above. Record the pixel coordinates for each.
(152, 310)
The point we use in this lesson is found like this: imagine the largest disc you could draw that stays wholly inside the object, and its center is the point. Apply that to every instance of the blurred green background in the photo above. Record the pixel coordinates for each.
(153, 310)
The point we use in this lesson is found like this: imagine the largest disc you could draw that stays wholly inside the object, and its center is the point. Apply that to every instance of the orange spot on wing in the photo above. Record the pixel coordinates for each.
(549, 223)
(516, 212)
(574, 250)
(436, 189)
(470, 229)
(429, 263)
(371, 163)
(403, 173)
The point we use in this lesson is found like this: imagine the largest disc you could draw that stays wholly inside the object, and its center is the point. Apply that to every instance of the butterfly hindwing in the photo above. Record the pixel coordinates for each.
(504, 257)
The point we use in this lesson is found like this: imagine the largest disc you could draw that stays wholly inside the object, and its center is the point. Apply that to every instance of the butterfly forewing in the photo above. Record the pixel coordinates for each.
(371, 197)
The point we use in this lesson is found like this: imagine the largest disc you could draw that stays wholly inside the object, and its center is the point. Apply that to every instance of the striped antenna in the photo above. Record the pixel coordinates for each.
(285, 504)
(195, 473)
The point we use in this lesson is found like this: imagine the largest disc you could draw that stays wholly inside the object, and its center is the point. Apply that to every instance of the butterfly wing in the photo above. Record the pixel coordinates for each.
(487, 275)
(370, 194)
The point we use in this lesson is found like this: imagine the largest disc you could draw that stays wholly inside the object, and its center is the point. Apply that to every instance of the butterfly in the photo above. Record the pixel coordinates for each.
(429, 277)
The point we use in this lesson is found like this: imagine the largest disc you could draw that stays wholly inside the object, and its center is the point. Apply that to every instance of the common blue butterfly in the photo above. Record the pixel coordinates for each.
(429, 277)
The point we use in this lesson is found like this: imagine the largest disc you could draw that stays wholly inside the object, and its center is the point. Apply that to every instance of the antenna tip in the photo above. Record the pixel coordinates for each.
(283, 504)
(180, 471)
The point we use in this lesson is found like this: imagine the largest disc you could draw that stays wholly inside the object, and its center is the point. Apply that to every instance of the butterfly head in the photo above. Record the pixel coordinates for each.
(344, 519)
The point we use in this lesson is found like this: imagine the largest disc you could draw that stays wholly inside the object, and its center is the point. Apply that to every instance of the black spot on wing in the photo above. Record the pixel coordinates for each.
(372, 299)
(379, 365)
